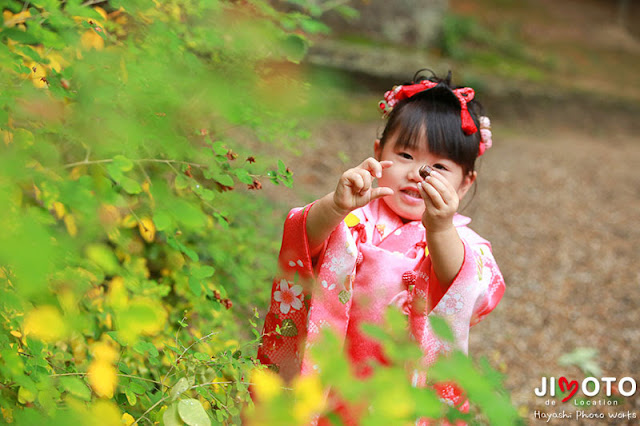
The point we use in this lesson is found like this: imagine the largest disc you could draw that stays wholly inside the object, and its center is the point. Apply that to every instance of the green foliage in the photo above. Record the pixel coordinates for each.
(387, 395)
(499, 49)
(135, 245)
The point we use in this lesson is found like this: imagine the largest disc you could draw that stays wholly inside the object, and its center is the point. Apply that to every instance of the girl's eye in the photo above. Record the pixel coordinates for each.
(405, 155)
(439, 166)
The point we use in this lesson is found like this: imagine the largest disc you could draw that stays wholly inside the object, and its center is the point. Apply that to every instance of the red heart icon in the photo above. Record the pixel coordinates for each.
(566, 385)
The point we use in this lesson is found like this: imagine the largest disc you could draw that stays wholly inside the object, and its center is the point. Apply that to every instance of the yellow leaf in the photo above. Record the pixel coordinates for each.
(56, 61)
(129, 221)
(267, 384)
(79, 349)
(25, 396)
(37, 74)
(102, 351)
(101, 12)
(11, 20)
(70, 223)
(77, 172)
(91, 40)
(102, 378)
(147, 229)
(127, 419)
(106, 413)
(7, 414)
(117, 297)
(7, 136)
(108, 322)
(309, 398)
(58, 209)
(45, 323)
(16, 333)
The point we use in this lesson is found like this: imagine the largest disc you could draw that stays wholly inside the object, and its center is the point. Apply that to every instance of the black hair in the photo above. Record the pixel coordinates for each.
(435, 113)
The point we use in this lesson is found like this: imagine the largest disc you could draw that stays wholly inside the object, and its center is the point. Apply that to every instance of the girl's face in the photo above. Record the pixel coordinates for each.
(403, 176)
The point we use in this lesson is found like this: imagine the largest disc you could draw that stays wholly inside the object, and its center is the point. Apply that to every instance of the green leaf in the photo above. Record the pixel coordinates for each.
(219, 148)
(76, 387)
(201, 357)
(243, 176)
(114, 171)
(441, 328)
(162, 220)
(131, 397)
(201, 272)
(130, 186)
(295, 47)
(181, 182)
(179, 388)
(195, 286)
(171, 417)
(104, 257)
(137, 388)
(282, 168)
(123, 163)
(225, 180)
(192, 413)
(23, 37)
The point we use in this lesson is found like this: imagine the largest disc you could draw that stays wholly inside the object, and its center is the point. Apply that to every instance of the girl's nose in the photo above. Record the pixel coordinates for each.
(414, 174)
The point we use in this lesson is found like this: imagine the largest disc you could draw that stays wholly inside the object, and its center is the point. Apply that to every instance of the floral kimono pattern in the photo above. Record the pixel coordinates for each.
(370, 261)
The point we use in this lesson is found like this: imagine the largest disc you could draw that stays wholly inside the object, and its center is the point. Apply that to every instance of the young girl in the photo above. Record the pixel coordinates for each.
(349, 255)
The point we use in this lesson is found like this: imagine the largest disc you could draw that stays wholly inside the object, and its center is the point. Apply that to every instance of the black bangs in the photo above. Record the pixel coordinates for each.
(434, 113)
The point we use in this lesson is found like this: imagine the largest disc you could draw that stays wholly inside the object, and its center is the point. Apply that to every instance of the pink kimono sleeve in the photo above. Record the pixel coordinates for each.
(479, 282)
(493, 285)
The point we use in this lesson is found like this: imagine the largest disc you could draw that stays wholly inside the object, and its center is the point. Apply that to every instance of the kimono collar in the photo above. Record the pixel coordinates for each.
(378, 210)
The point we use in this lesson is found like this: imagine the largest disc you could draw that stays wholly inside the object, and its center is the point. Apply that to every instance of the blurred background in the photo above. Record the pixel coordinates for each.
(558, 195)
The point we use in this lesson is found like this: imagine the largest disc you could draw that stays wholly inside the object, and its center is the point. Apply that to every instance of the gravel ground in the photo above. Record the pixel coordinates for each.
(560, 200)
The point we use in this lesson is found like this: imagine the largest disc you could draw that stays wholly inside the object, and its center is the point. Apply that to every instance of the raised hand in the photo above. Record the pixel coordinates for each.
(355, 187)
(441, 202)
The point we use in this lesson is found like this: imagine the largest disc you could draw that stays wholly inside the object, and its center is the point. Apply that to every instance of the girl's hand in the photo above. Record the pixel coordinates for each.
(441, 202)
(355, 185)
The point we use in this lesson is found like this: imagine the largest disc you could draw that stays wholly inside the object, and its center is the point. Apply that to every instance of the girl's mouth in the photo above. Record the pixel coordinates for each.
(412, 193)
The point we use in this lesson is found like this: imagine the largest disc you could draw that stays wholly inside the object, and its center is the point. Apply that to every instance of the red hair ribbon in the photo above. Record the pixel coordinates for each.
(464, 95)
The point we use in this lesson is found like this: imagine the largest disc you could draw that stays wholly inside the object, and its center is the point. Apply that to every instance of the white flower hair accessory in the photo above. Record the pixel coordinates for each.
(485, 135)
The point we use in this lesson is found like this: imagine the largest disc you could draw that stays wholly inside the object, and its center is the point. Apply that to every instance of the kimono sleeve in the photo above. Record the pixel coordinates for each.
(295, 256)
(285, 326)
(490, 280)
(479, 283)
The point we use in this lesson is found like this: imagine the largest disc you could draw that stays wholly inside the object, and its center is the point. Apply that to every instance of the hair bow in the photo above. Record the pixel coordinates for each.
(398, 93)
(463, 94)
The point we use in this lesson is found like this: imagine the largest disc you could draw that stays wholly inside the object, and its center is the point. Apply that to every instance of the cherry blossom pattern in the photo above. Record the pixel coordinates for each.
(290, 297)
(452, 303)
(328, 286)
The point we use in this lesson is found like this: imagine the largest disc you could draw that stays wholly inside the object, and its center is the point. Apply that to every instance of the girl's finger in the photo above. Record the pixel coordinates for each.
(444, 188)
(434, 196)
(381, 191)
(440, 178)
(374, 167)
(354, 181)
(367, 179)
